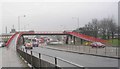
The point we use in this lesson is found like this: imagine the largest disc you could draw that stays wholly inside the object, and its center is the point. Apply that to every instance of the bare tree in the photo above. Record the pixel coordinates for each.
(105, 28)
(95, 27)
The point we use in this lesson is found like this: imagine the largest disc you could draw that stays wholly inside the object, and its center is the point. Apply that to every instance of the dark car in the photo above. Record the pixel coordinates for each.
(35, 43)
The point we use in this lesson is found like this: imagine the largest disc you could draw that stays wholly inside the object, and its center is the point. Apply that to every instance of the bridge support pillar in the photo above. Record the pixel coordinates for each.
(70, 39)
(67, 38)
(23, 40)
(74, 40)
(81, 41)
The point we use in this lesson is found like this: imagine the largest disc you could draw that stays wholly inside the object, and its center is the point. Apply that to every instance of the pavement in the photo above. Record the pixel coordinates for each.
(10, 57)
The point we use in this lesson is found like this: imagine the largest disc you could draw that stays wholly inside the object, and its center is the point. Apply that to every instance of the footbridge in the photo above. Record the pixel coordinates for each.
(44, 57)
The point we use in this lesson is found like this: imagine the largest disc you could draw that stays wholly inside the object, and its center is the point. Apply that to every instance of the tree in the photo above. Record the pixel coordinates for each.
(105, 28)
(91, 28)
(108, 27)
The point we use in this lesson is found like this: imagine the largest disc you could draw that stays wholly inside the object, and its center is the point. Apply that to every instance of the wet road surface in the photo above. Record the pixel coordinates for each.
(81, 59)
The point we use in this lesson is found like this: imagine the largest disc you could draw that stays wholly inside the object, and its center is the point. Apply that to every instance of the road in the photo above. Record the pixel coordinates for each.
(81, 59)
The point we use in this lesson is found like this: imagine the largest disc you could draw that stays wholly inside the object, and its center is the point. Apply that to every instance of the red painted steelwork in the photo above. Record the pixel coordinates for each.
(11, 38)
(86, 37)
(76, 34)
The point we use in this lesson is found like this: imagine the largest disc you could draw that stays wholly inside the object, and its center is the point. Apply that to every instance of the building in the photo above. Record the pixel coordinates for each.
(5, 36)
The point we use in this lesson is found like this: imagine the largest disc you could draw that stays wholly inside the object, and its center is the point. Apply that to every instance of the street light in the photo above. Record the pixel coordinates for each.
(77, 20)
(19, 22)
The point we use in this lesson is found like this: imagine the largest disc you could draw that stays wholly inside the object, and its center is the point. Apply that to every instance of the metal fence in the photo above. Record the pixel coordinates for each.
(43, 61)
(106, 51)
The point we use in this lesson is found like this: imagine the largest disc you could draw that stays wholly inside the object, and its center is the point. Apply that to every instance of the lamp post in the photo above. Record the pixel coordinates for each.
(19, 22)
(77, 21)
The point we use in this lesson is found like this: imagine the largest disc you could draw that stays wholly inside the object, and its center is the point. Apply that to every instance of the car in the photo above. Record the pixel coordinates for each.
(28, 45)
(97, 44)
(2, 44)
(35, 43)
(87, 43)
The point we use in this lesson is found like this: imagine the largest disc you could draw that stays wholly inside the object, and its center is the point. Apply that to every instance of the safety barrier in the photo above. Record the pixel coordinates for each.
(19, 37)
(38, 61)
(111, 52)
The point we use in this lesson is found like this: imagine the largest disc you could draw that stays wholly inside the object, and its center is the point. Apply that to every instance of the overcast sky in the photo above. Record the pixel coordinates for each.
(55, 16)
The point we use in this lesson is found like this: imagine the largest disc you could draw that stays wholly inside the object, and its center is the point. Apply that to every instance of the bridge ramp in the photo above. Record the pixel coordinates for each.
(86, 37)
(10, 57)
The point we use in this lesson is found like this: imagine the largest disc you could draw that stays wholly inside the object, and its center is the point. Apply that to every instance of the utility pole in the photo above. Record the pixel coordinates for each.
(19, 22)
(6, 29)
(13, 26)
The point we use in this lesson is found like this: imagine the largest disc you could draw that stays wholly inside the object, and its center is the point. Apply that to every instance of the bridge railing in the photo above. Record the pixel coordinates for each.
(52, 32)
(40, 60)
(86, 37)
(10, 39)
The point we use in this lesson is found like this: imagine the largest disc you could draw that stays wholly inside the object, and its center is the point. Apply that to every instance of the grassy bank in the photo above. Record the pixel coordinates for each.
(114, 42)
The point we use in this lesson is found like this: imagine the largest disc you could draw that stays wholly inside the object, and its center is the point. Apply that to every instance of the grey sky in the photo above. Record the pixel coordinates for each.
(55, 16)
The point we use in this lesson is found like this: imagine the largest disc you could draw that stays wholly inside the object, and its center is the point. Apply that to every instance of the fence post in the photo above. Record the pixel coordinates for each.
(89, 49)
(84, 49)
(25, 54)
(23, 49)
(40, 61)
(26, 51)
(116, 51)
(55, 63)
(105, 51)
(96, 49)
(67, 48)
(79, 48)
(31, 60)
(76, 48)
(72, 47)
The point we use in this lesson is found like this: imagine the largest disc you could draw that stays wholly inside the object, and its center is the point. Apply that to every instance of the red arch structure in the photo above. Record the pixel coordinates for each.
(11, 38)
(79, 35)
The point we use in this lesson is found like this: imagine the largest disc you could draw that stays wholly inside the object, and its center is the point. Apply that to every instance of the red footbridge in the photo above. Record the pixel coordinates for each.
(46, 56)
(76, 34)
